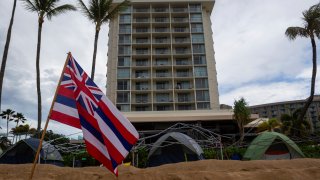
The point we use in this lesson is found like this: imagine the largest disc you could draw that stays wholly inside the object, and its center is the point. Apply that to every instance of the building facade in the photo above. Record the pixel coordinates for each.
(275, 110)
(161, 57)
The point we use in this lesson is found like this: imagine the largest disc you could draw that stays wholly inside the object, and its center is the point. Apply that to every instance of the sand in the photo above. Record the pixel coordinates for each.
(304, 169)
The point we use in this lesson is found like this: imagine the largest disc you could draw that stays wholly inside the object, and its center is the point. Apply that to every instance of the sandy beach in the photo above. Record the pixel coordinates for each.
(207, 169)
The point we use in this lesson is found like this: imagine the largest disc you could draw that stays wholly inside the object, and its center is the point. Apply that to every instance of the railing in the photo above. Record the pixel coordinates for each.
(179, 10)
(162, 75)
(160, 10)
(163, 86)
(180, 30)
(161, 30)
(161, 20)
(138, 10)
(142, 87)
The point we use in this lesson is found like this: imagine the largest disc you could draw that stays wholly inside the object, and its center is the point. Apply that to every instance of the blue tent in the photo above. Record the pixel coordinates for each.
(24, 151)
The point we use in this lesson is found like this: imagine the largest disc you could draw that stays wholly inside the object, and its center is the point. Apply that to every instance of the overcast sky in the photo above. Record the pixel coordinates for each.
(254, 59)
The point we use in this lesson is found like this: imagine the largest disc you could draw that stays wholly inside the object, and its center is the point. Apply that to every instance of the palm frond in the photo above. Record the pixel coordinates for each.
(60, 10)
(293, 32)
(28, 5)
(123, 5)
(85, 11)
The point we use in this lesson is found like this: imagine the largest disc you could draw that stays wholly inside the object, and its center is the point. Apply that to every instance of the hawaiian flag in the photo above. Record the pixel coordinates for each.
(79, 103)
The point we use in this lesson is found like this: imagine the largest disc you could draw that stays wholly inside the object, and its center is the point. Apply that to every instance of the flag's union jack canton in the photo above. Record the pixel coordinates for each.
(108, 135)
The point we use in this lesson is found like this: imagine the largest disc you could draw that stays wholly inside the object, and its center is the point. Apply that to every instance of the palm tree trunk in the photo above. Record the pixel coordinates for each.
(38, 73)
(6, 49)
(96, 37)
(313, 80)
(7, 126)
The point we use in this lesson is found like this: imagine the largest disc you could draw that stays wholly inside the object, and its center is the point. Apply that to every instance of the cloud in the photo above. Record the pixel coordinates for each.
(254, 58)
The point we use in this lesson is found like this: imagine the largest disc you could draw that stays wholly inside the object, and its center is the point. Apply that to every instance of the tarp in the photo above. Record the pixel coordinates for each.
(25, 150)
(174, 147)
(272, 145)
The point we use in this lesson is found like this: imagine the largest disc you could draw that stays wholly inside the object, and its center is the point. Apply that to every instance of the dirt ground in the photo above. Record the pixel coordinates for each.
(298, 169)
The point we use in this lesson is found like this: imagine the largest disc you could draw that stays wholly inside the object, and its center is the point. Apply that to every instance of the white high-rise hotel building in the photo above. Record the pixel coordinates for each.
(161, 57)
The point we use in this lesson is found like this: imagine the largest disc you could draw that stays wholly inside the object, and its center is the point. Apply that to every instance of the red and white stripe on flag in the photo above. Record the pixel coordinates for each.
(109, 136)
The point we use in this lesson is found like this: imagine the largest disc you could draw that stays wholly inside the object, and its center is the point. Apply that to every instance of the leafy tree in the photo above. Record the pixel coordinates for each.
(49, 9)
(51, 136)
(241, 115)
(310, 29)
(100, 12)
(8, 115)
(269, 125)
(292, 126)
(6, 48)
(19, 117)
(20, 130)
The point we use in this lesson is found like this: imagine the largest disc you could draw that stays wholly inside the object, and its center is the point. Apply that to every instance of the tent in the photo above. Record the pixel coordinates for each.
(25, 150)
(272, 145)
(174, 147)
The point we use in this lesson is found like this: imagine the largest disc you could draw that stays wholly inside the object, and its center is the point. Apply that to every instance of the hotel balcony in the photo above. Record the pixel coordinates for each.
(179, 10)
(160, 10)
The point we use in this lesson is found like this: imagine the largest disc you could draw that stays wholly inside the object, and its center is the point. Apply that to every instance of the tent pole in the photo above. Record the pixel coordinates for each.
(73, 159)
(221, 148)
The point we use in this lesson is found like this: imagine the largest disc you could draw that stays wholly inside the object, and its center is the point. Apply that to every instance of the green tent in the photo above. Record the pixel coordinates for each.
(272, 145)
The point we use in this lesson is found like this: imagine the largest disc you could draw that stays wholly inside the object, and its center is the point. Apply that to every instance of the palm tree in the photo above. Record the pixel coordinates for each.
(310, 29)
(6, 49)
(269, 125)
(49, 9)
(19, 117)
(292, 126)
(100, 12)
(8, 115)
(241, 115)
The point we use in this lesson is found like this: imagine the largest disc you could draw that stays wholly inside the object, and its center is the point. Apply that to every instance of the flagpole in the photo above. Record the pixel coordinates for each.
(47, 122)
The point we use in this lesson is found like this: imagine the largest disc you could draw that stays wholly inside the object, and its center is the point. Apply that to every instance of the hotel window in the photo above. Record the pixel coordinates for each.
(198, 48)
(199, 59)
(141, 62)
(183, 85)
(182, 72)
(196, 28)
(124, 61)
(141, 108)
(164, 108)
(203, 105)
(162, 61)
(123, 108)
(195, 17)
(124, 50)
(125, 28)
(122, 97)
(195, 7)
(125, 18)
(184, 107)
(123, 85)
(141, 98)
(142, 74)
(162, 97)
(142, 51)
(124, 39)
(200, 71)
(142, 85)
(123, 73)
(162, 85)
(202, 83)
(184, 97)
(162, 73)
(197, 38)
(203, 95)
